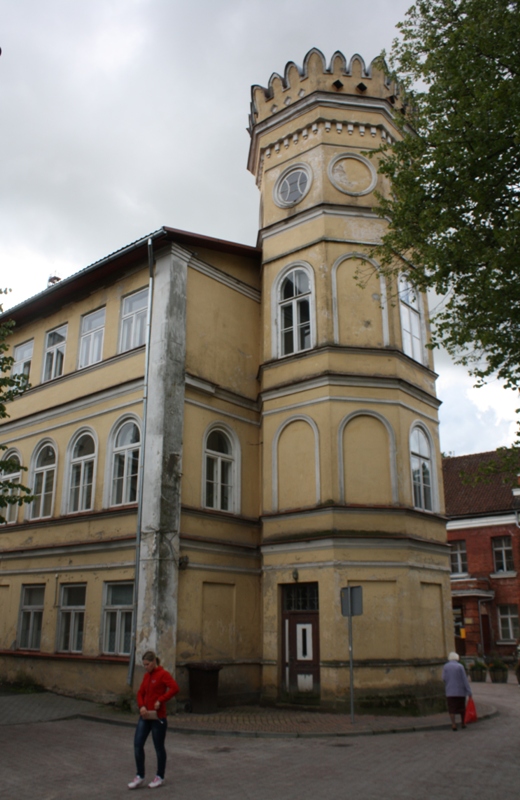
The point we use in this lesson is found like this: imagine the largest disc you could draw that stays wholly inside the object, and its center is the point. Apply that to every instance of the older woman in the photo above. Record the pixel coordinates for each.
(457, 689)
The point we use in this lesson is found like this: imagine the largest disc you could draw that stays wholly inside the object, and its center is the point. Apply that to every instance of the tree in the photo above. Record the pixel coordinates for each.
(11, 386)
(454, 215)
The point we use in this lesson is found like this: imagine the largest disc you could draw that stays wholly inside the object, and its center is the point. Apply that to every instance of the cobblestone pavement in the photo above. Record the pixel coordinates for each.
(80, 758)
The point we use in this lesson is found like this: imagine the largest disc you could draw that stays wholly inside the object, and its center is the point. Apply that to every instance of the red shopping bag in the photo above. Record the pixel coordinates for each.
(471, 712)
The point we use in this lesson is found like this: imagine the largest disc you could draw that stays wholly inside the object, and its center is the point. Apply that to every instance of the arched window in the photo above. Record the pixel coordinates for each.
(81, 496)
(220, 483)
(294, 312)
(421, 470)
(411, 323)
(44, 482)
(125, 470)
(10, 512)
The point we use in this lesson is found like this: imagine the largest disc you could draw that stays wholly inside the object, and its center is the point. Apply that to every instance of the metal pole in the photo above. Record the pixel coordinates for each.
(351, 660)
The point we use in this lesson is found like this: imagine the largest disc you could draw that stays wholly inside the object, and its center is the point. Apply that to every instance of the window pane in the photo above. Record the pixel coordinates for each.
(97, 344)
(36, 632)
(121, 594)
(139, 329)
(132, 476)
(48, 493)
(302, 282)
(118, 480)
(126, 334)
(219, 442)
(84, 357)
(84, 446)
(287, 316)
(126, 631)
(93, 321)
(288, 289)
(33, 595)
(49, 361)
(111, 622)
(210, 478)
(78, 630)
(88, 474)
(65, 630)
(74, 595)
(56, 337)
(25, 629)
(58, 364)
(135, 302)
(46, 457)
(287, 343)
(128, 434)
(225, 485)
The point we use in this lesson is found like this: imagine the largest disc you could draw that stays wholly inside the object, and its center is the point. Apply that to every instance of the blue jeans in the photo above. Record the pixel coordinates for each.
(158, 727)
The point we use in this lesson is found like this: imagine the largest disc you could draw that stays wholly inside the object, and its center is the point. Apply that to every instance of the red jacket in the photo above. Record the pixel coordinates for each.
(156, 685)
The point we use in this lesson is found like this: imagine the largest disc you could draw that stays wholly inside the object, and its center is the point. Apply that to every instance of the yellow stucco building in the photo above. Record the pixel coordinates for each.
(221, 437)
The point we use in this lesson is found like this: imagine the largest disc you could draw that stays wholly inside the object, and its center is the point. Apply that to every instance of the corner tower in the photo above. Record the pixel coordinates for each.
(351, 463)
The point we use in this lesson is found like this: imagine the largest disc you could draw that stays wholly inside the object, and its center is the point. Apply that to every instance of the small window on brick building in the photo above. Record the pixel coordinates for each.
(459, 559)
(503, 554)
(508, 622)
(458, 620)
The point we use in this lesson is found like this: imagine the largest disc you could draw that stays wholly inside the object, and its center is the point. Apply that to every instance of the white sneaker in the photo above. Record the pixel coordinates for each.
(137, 781)
(155, 783)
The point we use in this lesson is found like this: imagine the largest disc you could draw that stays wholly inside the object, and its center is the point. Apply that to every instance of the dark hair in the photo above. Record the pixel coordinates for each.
(150, 656)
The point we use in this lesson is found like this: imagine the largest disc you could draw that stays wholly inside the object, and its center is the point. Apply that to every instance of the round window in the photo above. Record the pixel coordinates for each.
(292, 185)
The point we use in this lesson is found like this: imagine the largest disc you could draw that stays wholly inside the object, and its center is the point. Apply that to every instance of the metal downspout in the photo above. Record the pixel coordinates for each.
(131, 665)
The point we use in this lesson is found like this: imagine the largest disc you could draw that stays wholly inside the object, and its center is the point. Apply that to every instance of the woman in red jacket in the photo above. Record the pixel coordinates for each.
(156, 689)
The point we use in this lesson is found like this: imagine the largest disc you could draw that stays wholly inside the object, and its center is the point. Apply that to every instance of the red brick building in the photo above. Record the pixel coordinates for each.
(484, 535)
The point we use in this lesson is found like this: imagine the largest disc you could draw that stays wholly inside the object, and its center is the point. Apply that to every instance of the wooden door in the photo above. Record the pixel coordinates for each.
(300, 643)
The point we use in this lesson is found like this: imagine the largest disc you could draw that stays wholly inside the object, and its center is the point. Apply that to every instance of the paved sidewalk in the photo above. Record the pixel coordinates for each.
(241, 721)
(80, 758)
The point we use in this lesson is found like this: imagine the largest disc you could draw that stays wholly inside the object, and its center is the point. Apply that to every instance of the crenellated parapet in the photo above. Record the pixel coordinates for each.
(353, 102)
(339, 79)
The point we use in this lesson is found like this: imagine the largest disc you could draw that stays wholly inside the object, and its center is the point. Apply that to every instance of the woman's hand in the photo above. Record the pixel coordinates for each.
(157, 705)
(142, 710)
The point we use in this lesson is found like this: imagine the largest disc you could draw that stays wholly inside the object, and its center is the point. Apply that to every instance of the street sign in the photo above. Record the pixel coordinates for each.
(352, 601)
(351, 606)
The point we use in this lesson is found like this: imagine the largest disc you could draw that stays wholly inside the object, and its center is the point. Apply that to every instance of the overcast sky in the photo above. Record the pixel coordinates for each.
(120, 116)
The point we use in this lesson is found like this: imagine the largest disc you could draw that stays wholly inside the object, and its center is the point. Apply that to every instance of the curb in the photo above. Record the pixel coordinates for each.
(487, 714)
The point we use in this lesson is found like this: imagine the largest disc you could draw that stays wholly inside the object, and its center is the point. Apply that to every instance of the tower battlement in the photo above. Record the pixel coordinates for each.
(354, 79)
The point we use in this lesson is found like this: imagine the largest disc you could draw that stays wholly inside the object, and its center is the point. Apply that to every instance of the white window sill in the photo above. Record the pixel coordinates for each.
(502, 574)
(459, 576)
(508, 642)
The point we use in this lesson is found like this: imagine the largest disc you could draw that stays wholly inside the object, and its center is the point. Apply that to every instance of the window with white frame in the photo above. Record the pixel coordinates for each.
(91, 341)
(54, 353)
(125, 469)
(503, 554)
(22, 355)
(44, 482)
(82, 465)
(10, 479)
(421, 470)
(294, 312)
(219, 484)
(72, 618)
(508, 622)
(459, 558)
(31, 617)
(118, 615)
(133, 320)
(410, 319)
